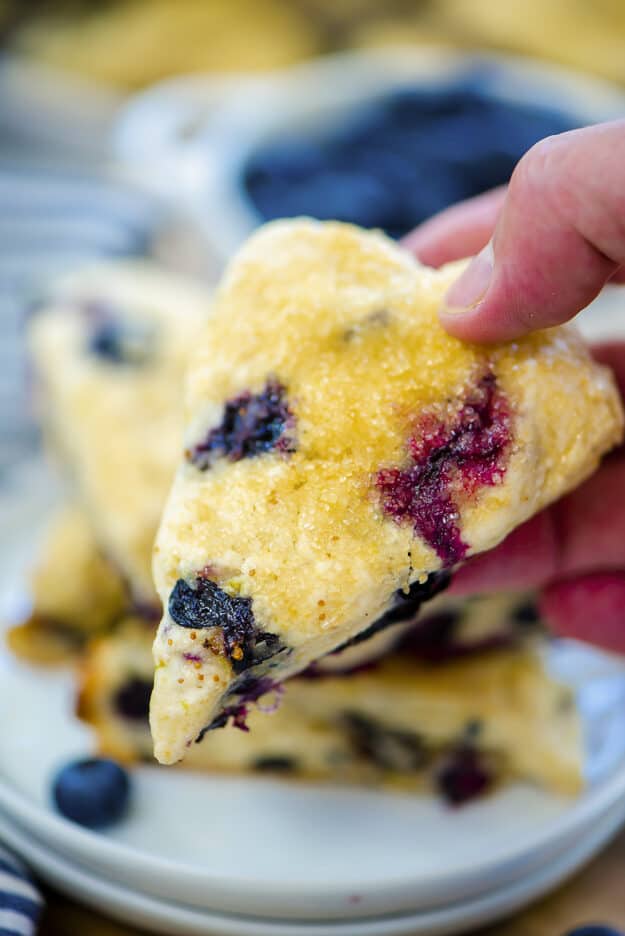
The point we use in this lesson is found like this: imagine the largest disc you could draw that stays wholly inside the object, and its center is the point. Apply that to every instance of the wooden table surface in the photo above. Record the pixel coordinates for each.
(595, 895)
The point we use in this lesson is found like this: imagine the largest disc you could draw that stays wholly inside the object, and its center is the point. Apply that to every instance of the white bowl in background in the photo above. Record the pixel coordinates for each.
(190, 138)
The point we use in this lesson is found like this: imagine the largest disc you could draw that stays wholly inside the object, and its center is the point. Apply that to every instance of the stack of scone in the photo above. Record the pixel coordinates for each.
(333, 430)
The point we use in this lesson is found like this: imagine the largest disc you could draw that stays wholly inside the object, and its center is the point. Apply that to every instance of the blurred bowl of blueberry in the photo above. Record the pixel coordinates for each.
(396, 159)
(383, 139)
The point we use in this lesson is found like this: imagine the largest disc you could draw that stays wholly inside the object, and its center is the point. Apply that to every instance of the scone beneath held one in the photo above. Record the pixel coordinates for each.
(461, 705)
(341, 449)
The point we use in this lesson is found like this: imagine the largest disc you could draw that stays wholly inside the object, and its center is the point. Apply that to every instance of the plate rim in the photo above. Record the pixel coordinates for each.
(45, 824)
(458, 918)
(103, 853)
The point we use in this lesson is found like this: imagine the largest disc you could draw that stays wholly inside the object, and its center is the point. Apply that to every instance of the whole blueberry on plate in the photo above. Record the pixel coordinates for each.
(93, 792)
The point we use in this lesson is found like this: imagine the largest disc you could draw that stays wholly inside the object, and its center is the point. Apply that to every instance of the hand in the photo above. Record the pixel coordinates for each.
(545, 248)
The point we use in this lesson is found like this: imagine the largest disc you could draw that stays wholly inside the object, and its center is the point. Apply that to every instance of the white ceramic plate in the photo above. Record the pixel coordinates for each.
(262, 847)
(172, 917)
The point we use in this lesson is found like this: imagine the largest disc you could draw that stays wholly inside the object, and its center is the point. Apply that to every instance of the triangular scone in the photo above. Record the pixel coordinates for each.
(341, 447)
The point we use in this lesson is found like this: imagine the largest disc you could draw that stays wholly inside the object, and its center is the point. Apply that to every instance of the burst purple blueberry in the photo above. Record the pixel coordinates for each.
(464, 774)
(249, 690)
(448, 461)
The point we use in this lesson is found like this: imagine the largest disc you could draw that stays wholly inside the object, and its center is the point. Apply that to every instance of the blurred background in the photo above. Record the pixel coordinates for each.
(172, 127)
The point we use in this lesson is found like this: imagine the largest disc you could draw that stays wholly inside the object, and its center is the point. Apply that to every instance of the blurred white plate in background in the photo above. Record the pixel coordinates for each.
(192, 136)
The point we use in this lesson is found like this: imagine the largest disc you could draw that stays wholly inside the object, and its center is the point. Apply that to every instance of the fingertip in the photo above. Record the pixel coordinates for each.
(483, 323)
(472, 285)
(508, 307)
(488, 321)
(474, 307)
(461, 323)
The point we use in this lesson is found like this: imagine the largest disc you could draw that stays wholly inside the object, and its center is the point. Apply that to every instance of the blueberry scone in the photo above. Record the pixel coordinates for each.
(461, 702)
(74, 592)
(342, 450)
(110, 346)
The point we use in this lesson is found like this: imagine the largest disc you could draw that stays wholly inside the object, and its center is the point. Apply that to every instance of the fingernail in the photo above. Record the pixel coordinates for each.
(471, 287)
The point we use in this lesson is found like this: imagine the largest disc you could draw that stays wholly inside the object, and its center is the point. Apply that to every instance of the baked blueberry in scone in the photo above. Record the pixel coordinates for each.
(341, 447)
(109, 346)
(459, 708)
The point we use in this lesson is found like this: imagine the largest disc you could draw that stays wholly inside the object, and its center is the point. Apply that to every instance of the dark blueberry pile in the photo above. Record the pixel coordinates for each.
(401, 158)
(251, 424)
(405, 606)
(208, 605)
(132, 700)
(447, 459)
(93, 792)
(463, 775)
(385, 747)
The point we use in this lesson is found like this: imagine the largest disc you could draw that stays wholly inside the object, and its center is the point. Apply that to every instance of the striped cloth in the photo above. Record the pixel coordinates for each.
(20, 902)
(54, 217)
